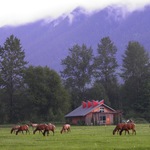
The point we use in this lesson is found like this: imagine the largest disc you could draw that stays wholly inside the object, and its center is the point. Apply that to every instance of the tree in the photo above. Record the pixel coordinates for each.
(136, 76)
(97, 92)
(47, 97)
(12, 65)
(105, 68)
(77, 72)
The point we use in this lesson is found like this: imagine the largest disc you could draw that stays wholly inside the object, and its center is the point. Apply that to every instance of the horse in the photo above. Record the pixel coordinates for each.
(130, 121)
(49, 127)
(118, 128)
(40, 128)
(65, 128)
(33, 125)
(127, 127)
(23, 128)
(14, 128)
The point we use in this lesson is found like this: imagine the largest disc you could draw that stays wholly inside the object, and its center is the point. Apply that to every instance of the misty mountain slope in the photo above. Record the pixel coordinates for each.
(48, 43)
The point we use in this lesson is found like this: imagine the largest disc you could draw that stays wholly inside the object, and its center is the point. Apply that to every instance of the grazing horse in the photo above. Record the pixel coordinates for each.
(33, 125)
(49, 127)
(23, 128)
(40, 128)
(65, 128)
(14, 129)
(118, 128)
(127, 127)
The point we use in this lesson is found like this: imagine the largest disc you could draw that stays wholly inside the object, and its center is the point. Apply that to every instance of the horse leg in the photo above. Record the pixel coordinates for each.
(40, 131)
(44, 133)
(128, 131)
(117, 132)
(28, 131)
(121, 131)
(47, 132)
(133, 131)
(34, 131)
(12, 130)
(17, 132)
(52, 131)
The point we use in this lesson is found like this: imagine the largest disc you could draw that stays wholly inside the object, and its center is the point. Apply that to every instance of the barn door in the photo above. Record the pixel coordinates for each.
(102, 119)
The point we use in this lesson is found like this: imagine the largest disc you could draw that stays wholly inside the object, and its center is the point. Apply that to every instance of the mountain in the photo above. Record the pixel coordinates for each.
(47, 43)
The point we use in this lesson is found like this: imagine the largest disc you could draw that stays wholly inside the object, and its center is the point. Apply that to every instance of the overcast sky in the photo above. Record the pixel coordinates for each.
(17, 12)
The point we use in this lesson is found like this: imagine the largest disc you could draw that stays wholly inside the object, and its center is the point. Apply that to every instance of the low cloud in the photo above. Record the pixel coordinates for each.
(17, 12)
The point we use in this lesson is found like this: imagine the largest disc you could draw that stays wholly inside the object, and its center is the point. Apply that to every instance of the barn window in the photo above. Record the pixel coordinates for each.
(101, 109)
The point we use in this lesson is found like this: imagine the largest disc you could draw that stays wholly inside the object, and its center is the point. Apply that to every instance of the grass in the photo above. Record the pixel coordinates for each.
(80, 138)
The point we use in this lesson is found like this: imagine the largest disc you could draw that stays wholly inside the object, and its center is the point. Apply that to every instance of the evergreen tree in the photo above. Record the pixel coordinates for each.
(105, 69)
(136, 76)
(12, 65)
(77, 72)
(97, 92)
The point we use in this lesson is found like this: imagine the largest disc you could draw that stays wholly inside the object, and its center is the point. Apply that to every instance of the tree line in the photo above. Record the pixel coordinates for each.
(39, 94)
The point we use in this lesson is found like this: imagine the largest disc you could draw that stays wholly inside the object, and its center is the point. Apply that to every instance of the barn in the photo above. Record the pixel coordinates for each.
(94, 112)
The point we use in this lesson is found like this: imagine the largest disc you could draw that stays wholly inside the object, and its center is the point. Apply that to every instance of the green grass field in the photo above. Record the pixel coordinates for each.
(80, 138)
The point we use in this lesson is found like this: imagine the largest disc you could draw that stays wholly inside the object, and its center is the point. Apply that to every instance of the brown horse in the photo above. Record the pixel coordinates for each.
(14, 128)
(33, 125)
(127, 127)
(65, 128)
(118, 128)
(40, 128)
(49, 127)
(23, 128)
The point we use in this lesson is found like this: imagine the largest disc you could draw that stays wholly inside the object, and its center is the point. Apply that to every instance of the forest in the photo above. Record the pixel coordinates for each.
(40, 94)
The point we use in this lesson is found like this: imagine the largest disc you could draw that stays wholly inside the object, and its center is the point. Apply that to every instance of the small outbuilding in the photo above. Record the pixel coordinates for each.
(94, 112)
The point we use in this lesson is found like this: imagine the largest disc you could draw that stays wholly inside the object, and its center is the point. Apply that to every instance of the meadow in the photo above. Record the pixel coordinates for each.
(80, 138)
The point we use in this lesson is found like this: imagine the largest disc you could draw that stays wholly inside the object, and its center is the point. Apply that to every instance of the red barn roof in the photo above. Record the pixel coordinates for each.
(86, 108)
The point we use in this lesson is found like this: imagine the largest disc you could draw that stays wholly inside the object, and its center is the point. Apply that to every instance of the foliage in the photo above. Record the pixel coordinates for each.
(105, 61)
(12, 65)
(136, 76)
(48, 98)
(38, 94)
(77, 71)
(105, 68)
(97, 92)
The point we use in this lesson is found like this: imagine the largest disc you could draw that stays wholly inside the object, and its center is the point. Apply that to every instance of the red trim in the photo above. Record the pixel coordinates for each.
(101, 102)
(89, 104)
(83, 104)
(95, 103)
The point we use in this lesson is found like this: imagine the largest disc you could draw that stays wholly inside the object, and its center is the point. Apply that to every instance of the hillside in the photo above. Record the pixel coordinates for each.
(47, 43)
